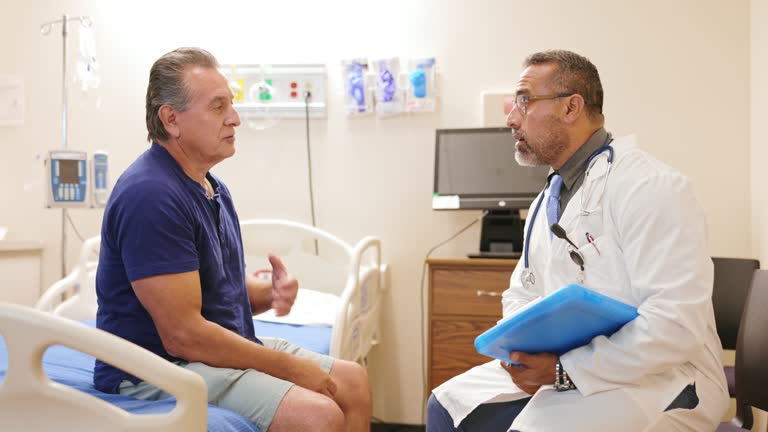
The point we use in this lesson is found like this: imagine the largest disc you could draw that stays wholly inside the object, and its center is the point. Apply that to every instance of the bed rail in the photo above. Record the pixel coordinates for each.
(31, 402)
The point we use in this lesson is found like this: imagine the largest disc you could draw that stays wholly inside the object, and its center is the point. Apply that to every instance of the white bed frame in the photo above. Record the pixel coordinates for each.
(353, 273)
(80, 282)
(31, 402)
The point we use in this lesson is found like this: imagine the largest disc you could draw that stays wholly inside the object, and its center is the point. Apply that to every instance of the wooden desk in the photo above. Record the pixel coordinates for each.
(464, 301)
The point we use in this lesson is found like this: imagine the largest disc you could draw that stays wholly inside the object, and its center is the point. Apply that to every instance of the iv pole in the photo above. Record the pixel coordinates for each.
(45, 29)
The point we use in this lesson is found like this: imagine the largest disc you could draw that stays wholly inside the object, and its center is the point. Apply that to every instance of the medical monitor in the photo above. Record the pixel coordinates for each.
(476, 169)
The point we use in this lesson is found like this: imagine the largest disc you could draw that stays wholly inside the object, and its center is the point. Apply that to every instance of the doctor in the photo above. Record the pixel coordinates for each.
(640, 237)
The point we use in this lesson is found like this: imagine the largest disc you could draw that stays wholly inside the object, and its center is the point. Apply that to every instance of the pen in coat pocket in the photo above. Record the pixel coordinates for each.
(591, 240)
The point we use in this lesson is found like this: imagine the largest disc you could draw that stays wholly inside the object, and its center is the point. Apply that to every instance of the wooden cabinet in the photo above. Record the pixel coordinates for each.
(20, 264)
(464, 301)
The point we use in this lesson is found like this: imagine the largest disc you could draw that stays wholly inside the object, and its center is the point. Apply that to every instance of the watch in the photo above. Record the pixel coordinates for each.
(562, 380)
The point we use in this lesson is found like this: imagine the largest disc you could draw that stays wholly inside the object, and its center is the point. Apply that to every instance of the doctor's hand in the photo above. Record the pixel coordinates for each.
(534, 371)
(284, 287)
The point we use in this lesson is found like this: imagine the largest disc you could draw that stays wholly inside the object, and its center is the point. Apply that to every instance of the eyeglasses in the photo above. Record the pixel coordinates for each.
(573, 250)
(521, 101)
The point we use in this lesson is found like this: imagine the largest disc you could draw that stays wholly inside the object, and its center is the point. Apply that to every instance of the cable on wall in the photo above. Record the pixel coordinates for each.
(421, 304)
(307, 96)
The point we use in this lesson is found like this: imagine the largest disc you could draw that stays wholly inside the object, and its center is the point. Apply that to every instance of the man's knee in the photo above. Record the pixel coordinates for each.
(433, 406)
(354, 379)
(359, 377)
(326, 412)
(302, 409)
(352, 371)
(438, 418)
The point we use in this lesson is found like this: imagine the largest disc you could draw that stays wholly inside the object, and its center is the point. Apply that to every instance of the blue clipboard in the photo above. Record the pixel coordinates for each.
(564, 320)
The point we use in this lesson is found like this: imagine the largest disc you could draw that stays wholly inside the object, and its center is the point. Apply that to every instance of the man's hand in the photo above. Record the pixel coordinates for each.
(284, 287)
(534, 371)
(308, 374)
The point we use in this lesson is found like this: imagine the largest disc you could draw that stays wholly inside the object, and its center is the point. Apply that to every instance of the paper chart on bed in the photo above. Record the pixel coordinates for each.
(311, 308)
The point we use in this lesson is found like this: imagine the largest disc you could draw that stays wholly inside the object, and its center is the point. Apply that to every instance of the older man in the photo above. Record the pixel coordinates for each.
(171, 274)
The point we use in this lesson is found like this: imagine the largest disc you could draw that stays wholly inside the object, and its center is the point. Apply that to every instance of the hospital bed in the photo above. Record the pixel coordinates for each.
(57, 393)
(345, 283)
(338, 315)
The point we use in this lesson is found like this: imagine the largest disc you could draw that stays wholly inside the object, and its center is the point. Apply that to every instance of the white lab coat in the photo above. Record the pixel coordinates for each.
(650, 251)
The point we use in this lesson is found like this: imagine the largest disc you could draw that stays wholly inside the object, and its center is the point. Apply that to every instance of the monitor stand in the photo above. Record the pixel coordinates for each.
(501, 235)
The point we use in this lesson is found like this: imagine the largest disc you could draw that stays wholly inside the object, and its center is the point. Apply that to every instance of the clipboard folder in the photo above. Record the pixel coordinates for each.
(563, 320)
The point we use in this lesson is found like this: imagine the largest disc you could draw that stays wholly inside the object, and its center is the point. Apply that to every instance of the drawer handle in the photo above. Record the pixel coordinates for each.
(481, 293)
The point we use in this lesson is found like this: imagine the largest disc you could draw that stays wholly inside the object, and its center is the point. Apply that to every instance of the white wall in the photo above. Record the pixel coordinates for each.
(759, 135)
(676, 73)
(758, 141)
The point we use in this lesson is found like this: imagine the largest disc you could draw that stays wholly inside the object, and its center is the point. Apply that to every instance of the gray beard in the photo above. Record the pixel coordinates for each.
(547, 149)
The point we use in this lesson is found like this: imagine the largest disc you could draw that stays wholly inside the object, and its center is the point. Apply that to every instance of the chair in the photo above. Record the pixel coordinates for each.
(732, 280)
(751, 356)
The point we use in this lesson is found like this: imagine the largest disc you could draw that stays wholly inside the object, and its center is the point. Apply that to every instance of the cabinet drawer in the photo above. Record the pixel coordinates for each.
(453, 348)
(468, 291)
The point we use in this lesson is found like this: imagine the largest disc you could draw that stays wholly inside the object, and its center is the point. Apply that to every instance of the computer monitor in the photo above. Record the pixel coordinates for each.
(476, 169)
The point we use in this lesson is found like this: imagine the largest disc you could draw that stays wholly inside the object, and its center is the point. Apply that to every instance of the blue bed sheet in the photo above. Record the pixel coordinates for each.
(313, 338)
(75, 369)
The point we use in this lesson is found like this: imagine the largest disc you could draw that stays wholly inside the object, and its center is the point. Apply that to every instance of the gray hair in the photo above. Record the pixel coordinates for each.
(168, 87)
(575, 74)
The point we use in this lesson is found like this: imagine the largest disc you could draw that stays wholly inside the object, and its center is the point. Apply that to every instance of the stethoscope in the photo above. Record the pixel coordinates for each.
(528, 278)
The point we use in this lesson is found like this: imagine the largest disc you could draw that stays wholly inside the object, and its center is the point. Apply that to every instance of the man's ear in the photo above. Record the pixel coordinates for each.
(574, 108)
(168, 116)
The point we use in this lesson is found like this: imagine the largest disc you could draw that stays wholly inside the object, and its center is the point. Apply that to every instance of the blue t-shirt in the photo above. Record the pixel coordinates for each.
(160, 221)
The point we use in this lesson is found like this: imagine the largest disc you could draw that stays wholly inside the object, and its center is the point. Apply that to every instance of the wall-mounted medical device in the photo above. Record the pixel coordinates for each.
(74, 181)
(67, 178)
(99, 171)
(277, 90)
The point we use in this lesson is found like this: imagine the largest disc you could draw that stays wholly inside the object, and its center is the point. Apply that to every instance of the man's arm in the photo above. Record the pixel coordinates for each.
(259, 293)
(664, 245)
(174, 302)
(662, 234)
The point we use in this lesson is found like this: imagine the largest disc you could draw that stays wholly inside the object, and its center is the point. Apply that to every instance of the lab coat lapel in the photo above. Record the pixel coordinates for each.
(544, 250)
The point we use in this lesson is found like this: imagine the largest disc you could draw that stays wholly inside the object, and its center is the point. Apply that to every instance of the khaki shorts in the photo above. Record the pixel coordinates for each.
(250, 393)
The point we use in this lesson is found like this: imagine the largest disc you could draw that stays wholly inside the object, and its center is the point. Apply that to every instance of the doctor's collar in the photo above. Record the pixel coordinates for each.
(573, 168)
